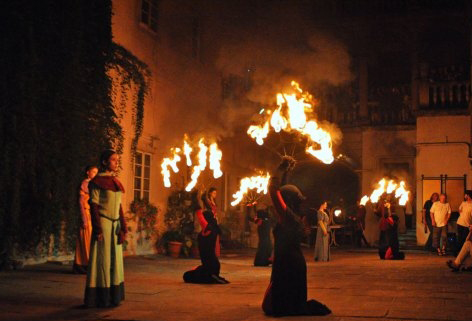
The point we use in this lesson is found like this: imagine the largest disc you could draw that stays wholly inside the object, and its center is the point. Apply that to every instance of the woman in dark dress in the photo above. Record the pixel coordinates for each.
(389, 246)
(264, 247)
(209, 271)
(287, 291)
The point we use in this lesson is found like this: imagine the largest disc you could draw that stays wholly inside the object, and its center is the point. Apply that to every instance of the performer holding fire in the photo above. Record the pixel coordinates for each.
(209, 271)
(287, 291)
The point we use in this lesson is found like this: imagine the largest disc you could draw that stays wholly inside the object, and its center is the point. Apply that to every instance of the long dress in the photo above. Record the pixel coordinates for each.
(211, 206)
(82, 247)
(287, 291)
(264, 248)
(322, 252)
(105, 278)
(389, 246)
(209, 271)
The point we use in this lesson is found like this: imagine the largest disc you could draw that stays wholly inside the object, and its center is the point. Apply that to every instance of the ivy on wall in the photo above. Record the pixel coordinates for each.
(56, 115)
(131, 71)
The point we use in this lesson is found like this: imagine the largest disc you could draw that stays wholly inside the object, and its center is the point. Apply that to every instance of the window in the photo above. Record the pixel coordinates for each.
(142, 175)
(453, 187)
(149, 13)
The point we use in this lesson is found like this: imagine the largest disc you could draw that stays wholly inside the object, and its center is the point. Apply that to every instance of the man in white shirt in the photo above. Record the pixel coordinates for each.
(440, 214)
(464, 223)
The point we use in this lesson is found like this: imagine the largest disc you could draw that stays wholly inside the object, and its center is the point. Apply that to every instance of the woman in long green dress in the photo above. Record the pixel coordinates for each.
(105, 281)
(322, 235)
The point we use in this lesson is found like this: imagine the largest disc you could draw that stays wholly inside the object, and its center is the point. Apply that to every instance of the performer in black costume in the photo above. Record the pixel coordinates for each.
(264, 247)
(389, 246)
(287, 291)
(209, 271)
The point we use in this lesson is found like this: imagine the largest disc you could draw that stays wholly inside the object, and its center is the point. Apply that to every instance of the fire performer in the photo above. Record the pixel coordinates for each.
(209, 271)
(389, 246)
(287, 291)
(209, 203)
(105, 278)
(82, 248)
(264, 247)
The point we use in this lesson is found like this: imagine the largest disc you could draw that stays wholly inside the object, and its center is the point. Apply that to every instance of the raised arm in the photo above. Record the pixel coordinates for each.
(278, 179)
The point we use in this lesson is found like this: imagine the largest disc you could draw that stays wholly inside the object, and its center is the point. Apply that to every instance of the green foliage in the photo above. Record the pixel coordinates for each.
(131, 71)
(145, 215)
(57, 114)
(179, 221)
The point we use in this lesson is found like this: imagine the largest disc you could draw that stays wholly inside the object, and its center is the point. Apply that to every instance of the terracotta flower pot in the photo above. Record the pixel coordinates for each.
(174, 248)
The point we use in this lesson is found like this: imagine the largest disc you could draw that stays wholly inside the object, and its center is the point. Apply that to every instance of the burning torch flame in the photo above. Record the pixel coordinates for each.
(187, 152)
(323, 139)
(197, 169)
(277, 121)
(215, 159)
(166, 162)
(319, 144)
(374, 197)
(402, 193)
(258, 132)
(259, 183)
(202, 158)
(391, 187)
(364, 200)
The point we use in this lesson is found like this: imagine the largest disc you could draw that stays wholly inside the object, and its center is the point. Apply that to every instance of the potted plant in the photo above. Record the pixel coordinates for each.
(172, 241)
(179, 222)
(144, 214)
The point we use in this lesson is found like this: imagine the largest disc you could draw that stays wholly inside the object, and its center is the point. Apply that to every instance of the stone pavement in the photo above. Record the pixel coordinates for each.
(355, 285)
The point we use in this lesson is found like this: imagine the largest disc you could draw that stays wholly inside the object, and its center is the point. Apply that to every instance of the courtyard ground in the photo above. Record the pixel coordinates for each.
(355, 285)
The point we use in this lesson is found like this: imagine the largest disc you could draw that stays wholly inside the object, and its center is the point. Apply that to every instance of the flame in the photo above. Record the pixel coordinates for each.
(277, 121)
(258, 132)
(391, 187)
(295, 107)
(197, 169)
(402, 193)
(166, 162)
(323, 139)
(215, 159)
(374, 197)
(364, 200)
(187, 152)
(259, 183)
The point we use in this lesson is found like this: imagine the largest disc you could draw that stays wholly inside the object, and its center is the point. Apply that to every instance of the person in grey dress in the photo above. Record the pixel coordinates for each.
(322, 236)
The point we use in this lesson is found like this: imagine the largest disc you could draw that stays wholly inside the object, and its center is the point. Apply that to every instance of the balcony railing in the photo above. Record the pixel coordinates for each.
(376, 116)
(446, 95)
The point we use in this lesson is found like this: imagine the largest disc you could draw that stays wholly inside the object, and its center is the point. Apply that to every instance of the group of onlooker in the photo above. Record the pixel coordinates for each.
(436, 219)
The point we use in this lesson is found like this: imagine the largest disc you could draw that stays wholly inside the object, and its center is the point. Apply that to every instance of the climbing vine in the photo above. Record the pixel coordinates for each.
(57, 116)
(131, 71)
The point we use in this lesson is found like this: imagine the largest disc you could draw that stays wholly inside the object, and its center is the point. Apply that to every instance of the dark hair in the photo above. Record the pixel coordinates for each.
(89, 168)
(104, 157)
(468, 193)
(321, 203)
(431, 198)
(212, 189)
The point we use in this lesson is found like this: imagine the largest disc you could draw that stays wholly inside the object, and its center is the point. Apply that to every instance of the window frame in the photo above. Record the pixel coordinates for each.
(141, 190)
(148, 24)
